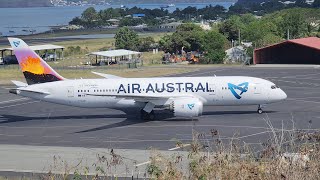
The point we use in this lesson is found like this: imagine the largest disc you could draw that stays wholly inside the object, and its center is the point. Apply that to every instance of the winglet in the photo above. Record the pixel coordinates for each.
(108, 76)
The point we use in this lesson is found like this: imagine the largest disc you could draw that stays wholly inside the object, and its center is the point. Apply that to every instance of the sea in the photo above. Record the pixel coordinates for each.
(24, 21)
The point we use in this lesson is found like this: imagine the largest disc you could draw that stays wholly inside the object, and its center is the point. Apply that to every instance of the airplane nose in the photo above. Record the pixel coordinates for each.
(283, 95)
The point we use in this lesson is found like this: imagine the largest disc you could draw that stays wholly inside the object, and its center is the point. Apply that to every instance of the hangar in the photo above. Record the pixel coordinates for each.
(296, 51)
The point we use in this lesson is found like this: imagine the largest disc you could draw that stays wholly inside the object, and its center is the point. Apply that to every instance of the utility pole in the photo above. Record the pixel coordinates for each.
(288, 34)
(239, 34)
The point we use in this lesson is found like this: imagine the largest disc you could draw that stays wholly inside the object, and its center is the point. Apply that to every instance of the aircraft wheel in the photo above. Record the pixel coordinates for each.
(143, 114)
(260, 111)
(147, 116)
(151, 115)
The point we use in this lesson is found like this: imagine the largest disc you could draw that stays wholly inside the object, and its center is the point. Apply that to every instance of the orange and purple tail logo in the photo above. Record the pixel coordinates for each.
(35, 69)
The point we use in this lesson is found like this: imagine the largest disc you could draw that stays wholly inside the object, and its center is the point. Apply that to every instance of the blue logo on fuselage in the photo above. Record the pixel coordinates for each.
(243, 87)
(191, 106)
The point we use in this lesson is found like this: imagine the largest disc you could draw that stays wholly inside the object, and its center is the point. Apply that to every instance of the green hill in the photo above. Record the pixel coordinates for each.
(24, 3)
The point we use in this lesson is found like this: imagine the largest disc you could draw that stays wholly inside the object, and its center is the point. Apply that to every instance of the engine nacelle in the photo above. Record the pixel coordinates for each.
(186, 107)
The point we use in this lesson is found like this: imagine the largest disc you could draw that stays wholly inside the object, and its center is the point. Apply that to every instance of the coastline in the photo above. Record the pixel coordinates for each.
(41, 19)
(66, 35)
(17, 5)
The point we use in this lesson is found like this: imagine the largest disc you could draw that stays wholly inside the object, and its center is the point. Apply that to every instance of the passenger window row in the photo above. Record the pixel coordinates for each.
(99, 90)
(104, 90)
(83, 91)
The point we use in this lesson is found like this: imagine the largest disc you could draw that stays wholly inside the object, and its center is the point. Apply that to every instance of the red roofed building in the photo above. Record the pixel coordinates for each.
(296, 51)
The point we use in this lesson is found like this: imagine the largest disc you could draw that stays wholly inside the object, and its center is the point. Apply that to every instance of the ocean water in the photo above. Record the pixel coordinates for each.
(22, 21)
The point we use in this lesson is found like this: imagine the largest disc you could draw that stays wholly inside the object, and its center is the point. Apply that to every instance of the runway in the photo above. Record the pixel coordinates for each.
(25, 121)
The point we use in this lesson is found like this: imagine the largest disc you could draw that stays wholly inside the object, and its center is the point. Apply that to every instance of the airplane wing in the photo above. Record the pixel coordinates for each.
(108, 76)
(157, 100)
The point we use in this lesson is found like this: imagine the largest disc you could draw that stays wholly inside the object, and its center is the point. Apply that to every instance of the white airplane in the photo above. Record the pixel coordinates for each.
(185, 96)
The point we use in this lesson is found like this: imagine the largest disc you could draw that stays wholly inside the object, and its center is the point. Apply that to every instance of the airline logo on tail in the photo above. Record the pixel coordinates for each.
(238, 90)
(16, 43)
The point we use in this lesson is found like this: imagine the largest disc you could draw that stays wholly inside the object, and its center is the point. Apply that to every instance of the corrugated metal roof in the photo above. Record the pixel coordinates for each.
(39, 47)
(115, 53)
(312, 42)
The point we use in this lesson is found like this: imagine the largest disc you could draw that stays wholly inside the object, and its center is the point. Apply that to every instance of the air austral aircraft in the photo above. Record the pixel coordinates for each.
(184, 96)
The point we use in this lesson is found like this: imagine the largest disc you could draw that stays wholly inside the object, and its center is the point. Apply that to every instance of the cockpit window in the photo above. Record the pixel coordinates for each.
(273, 87)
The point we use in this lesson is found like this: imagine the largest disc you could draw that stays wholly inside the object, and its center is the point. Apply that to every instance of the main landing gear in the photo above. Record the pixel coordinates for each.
(147, 116)
(259, 111)
(147, 112)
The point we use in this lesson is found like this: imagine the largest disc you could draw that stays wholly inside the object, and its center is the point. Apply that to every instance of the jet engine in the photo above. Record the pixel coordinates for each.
(186, 107)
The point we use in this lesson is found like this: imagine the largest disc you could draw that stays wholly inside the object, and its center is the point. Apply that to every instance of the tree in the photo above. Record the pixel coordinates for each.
(214, 45)
(187, 36)
(77, 21)
(105, 15)
(247, 19)
(146, 43)
(256, 31)
(316, 4)
(126, 39)
(213, 40)
(130, 22)
(89, 16)
(230, 27)
(269, 39)
(165, 43)
(301, 3)
(295, 23)
(214, 57)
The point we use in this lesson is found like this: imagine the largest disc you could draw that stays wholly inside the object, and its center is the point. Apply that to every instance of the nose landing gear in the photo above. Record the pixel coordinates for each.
(259, 111)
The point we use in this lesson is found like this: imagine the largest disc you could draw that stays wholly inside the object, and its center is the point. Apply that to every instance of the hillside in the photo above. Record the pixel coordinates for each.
(44, 3)
(24, 3)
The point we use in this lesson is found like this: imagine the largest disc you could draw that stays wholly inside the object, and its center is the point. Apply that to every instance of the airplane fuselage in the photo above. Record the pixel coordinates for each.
(123, 93)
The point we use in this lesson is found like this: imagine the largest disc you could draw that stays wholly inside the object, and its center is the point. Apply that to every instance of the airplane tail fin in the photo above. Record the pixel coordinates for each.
(34, 68)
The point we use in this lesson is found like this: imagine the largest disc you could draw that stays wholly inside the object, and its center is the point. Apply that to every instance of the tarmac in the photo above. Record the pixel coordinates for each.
(28, 126)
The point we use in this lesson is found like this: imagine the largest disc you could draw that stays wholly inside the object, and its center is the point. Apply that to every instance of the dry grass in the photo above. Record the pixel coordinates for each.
(152, 59)
(288, 154)
(89, 44)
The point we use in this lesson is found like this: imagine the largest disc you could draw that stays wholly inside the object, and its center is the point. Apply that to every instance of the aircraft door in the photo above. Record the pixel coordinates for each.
(212, 89)
(257, 89)
(70, 91)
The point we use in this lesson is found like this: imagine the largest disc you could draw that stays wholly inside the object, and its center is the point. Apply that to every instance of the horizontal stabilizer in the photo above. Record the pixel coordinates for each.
(18, 91)
(108, 76)
(19, 83)
(38, 92)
